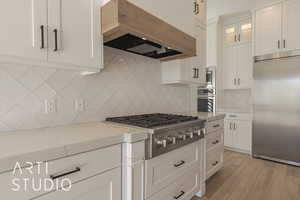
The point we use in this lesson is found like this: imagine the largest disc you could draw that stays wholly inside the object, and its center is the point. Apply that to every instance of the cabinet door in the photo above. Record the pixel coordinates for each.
(242, 138)
(268, 30)
(230, 35)
(200, 11)
(102, 187)
(291, 37)
(75, 32)
(230, 67)
(228, 133)
(244, 65)
(245, 31)
(200, 60)
(20, 35)
(212, 44)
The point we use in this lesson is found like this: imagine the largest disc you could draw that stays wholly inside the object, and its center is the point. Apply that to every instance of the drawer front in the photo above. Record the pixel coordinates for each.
(183, 188)
(163, 170)
(106, 186)
(238, 116)
(214, 158)
(214, 126)
(73, 168)
(213, 139)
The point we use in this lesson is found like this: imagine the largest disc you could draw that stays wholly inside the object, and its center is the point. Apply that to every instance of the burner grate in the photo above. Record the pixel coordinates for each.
(152, 120)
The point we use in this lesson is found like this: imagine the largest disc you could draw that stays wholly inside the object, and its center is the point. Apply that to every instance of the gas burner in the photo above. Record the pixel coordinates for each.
(152, 120)
(167, 132)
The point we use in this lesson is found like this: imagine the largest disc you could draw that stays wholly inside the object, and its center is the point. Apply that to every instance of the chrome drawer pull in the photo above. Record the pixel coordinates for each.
(217, 125)
(215, 142)
(56, 176)
(179, 164)
(180, 195)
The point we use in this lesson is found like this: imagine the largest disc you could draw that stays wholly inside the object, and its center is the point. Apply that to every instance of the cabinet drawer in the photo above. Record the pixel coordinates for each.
(75, 168)
(106, 186)
(164, 170)
(214, 158)
(213, 139)
(183, 188)
(214, 126)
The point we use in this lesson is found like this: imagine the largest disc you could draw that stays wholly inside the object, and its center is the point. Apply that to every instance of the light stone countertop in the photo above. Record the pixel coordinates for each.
(52, 143)
(210, 116)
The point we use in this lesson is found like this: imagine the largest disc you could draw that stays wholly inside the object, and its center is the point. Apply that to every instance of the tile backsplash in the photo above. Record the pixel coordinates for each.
(129, 84)
(239, 100)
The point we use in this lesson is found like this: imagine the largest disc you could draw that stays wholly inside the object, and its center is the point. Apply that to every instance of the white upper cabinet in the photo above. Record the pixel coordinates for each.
(277, 28)
(237, 33)
(52, 33)
(268, 30)
(75, 32)
(177, 13)
(189, 70)
(22, 25)
(291, 28)
(230, 67)
(230, 35)
(237, 55)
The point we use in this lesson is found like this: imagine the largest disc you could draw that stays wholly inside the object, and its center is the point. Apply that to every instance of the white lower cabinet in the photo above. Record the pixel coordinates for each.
(238, 134)
(175, 175)
(214, 147)
(106, 186)
(183, 188)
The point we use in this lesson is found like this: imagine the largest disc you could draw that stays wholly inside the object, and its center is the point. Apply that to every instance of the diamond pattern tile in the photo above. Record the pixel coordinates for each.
(129, 84)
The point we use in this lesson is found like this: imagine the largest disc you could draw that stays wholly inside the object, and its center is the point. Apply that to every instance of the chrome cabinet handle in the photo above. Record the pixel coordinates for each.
(284, 43)
(278, 44)
(195, 7)
(230, 126)
(195, 72)
(198, 10)
(216, 142)
(59, 175)
(215, 163)
(179, 164)
(239, 81)
(235, 38)
(42, 28)
(216, 126)
(55, 31)
(180, 195)
(234, 81)
(239, 37)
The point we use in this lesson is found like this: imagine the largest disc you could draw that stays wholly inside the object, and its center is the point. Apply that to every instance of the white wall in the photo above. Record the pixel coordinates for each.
(129, 84)
(223, 7)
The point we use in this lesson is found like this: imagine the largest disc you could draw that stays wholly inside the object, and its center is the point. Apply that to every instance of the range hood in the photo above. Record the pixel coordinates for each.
(132, 29)
(279, 55)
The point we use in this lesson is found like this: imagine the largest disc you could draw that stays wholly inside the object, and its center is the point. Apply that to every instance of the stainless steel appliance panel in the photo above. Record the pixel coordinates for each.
(276, 125)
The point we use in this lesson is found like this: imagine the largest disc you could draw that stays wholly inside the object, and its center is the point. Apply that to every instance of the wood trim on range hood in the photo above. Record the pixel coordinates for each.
(120, 17)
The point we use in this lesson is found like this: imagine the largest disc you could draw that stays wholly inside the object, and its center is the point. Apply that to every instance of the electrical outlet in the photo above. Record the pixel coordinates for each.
(50, 106)
(80, 105)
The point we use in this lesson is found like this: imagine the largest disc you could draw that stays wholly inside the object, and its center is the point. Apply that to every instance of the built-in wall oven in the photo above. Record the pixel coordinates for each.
(207, 93)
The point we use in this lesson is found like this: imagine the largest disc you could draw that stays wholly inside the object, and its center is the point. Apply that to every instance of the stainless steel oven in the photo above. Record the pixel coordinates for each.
(207, 94)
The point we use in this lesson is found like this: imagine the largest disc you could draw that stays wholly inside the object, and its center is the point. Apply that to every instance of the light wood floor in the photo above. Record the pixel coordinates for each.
(245, 178)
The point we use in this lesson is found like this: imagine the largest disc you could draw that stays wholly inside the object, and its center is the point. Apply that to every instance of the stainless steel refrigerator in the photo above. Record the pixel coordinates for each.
(276, 124)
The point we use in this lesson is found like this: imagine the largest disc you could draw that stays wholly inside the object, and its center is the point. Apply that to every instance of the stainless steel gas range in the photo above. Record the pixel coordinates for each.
(167, 132)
